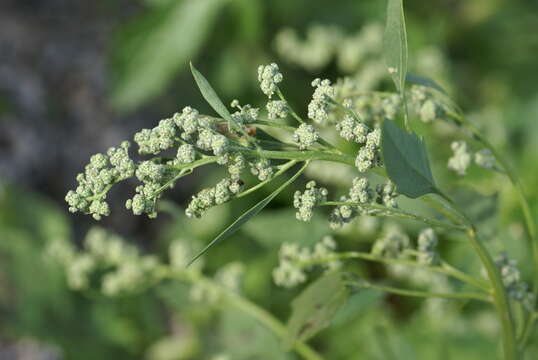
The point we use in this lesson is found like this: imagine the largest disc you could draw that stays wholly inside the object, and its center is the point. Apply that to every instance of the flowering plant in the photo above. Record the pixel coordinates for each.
(371, 133)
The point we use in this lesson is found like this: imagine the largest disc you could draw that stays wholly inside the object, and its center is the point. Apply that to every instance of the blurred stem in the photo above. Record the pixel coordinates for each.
(425, 294)
(246, 306)
(443, 269)
(386, 211)
(530, 224)
(500, 296)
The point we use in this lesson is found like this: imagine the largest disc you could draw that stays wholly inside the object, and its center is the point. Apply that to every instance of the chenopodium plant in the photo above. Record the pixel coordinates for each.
(264, 142)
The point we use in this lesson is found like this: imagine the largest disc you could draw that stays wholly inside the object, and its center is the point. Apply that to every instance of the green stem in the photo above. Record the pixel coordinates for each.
(302, 155)
(247, 307)
(386, 211)
(425, 294)
(282, 170)
(443, 269)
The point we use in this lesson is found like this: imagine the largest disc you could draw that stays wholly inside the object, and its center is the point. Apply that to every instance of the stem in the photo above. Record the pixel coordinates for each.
(302, 155)
(386, 211)
(450, 271)
(426, 294)
(247, 307)
(282, 170)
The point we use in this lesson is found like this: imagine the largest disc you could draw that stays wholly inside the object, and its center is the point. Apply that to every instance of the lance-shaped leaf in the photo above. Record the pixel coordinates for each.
(249, 214)
(395, 43)
(406, 160)
(213, 99)
(314, 309)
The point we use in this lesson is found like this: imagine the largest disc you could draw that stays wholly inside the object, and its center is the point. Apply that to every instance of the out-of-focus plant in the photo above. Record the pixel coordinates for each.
(370, 132)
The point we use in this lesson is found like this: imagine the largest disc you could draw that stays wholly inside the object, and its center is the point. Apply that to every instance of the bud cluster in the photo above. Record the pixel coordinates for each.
(306, 201)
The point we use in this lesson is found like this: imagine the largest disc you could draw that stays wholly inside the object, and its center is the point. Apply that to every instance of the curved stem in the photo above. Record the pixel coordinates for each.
(247, 307)
(425, 294)
(443, 269)
(386, 211)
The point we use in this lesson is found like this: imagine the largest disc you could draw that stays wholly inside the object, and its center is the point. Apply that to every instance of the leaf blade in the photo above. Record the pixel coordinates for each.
(314, 308)
(395, 43)
(249, 214)
(406, 160)
(424, 81)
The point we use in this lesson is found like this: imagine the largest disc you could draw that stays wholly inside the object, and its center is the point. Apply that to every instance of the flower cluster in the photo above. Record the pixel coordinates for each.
(319, 106)
(517, 289)
(123, 268)
(305, 136)
(360, 192)
(269, 77)
(277, 109)
(209, 197)
(461, 159)
(369, 154)
(392, 244)
(426, 245)
(99, 175)
(306, 201)
(294, 261)
(485, 159)
(386, 194)
(425, 104)
(245, 114)
(262, 169)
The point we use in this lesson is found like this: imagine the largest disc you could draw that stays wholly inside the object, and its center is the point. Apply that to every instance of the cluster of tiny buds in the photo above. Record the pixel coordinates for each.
(369, 154)
(425, 105)
(305, 136)
(126, 270)
(359, 192)
(209, 197)
(319, 106)
(426, 246)
(517, 289)
(306, 201)
(392, 244)
(294, 261)
(462, 157)
(277, 109)
(269, 77)
(245, 114)
(387, 194)
(262, 169)
(99, 175)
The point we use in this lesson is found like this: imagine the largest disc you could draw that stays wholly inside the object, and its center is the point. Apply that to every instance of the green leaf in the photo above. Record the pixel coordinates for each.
(314, 309)
(406, 160)
(157, 46)
(249, 214)
(423, 81)
(395, 43)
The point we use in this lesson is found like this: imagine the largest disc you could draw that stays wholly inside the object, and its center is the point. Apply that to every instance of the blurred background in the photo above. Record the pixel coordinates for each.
(77, 77)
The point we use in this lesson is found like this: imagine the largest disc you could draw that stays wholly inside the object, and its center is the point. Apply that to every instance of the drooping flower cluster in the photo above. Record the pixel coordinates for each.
(99, 175)
(426, 245)
(319, 106)
(269, 77)
(461, 159)
(511, 277)
(294, 261)
(306, 201)
(305, 136)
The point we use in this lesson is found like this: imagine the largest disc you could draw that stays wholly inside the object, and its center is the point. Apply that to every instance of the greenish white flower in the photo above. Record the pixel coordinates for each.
(319, 106)
(306, 201)
(386, 194)
(368, 155)
(269, 77)
(246, 113)
(485, 159)
(427, 243)
(185, 154)
(262, 169)
(277, 109)
(461, 159)
(352, 130)
(305, 136)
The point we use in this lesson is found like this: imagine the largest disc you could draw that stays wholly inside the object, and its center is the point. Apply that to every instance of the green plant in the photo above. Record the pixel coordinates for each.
(378, 144)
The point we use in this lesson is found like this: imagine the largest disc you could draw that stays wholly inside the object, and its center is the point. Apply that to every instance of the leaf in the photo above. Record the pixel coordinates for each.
(249, 214)
(395, 43)
(213, 99)
(158, 47)
(406, 160)
(314, 309)
(424, 81)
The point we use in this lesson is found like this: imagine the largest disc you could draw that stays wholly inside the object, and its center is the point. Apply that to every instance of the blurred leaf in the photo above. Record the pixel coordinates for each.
(423, 81)
(406, 160)
(314, 309)
(249, 214)
(395, 43)
(158, 52)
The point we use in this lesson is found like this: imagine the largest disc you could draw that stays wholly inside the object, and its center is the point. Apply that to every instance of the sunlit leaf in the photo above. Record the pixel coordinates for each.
(406, 160)
(314, 309)
(249, 214)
